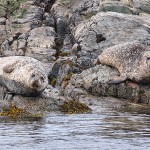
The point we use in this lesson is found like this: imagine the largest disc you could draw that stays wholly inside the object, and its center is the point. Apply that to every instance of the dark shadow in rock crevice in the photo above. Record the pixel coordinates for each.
(100, 38)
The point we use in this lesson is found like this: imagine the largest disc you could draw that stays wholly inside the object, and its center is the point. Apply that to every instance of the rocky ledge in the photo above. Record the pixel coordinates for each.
(67, 36)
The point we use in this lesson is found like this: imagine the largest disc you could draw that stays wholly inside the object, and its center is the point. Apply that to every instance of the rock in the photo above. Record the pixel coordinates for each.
(15, 45)
(38, 105)
(61, 27)
(22, 41)
(40, 44)
(107, 29)
(142, 5)
(32, 106)
(94, 80)
(48, 20)
(62, 70)
(116, 6)
(66, 36)
(5, 45)
(2, 21)
(31, 19)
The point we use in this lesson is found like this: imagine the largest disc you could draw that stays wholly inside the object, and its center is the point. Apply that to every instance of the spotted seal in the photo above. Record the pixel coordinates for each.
(132, 60)
(22, 75)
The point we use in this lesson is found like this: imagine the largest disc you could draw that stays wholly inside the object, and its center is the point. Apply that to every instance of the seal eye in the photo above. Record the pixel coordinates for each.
(42, 79)
(148, 58)
(33, 75)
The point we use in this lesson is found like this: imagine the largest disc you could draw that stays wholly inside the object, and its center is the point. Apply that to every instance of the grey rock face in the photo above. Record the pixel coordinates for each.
(107, 29)
(116, 6)
(35, 106)
(94, 80)
(66, 36)
(48, 20)
(41, 43)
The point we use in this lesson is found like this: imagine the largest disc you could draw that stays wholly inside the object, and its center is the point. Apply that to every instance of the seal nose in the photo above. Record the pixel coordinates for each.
(35, 84)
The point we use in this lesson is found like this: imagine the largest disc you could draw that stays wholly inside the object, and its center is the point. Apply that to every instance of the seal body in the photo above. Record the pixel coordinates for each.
(131, 59)
(22, 75)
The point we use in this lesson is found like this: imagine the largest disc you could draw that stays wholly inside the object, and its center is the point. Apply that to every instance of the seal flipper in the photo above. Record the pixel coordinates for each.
(117, 80)
(9, 67)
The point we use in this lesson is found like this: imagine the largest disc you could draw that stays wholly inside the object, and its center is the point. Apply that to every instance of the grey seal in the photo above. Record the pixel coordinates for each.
(23, 75)
(132, 60)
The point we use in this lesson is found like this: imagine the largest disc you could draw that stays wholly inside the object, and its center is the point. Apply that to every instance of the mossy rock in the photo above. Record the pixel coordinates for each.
(12, 7)
(65, 2)
(62, 54)
(118, 9)
(53, 82)
(74, 107)
(15, 112)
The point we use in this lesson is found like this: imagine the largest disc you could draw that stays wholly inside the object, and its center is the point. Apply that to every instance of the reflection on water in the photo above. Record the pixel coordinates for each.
(107, 129)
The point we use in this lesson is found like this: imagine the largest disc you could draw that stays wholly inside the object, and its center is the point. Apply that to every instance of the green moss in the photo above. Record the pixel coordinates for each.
(68, 76)
(11, 7)
(70, 63)
(16, 26)
(22, 13)
(53, 82)
(64, 54)
(74, 107)
(66, 79)
(65, 2)
(89, 15)
(12, 112)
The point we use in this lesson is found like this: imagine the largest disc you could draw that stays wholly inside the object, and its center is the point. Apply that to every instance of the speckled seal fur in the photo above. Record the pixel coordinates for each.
(22, 75)
(132, 60)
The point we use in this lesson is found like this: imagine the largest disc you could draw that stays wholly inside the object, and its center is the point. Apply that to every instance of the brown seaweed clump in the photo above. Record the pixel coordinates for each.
(74, 107)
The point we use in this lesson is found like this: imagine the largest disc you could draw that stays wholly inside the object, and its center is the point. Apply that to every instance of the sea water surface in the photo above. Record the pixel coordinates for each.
(106, 129)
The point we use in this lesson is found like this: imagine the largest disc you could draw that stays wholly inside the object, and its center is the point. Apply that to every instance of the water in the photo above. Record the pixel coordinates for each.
(105, 129)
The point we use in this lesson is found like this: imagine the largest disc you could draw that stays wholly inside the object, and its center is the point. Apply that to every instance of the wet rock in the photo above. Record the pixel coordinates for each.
(67, 36)
(62, 71)
(38, 105)
(42, 37)
(94, 80)
(48, 20)
(48, 101)
(61, 27)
